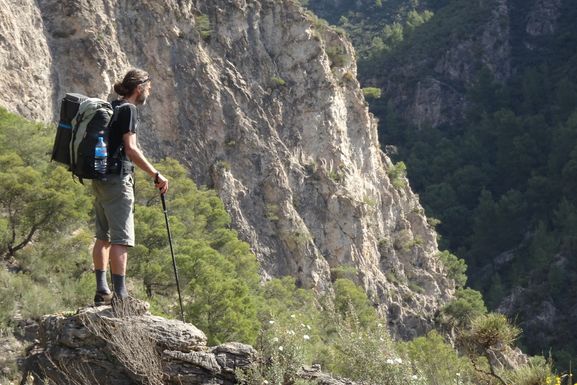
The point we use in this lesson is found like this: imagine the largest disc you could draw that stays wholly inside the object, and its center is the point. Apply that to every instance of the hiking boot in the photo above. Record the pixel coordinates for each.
(101, 299)
(128, 306)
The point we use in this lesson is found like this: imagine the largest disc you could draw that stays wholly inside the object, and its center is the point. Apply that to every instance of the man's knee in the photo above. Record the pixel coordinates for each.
(102, 243)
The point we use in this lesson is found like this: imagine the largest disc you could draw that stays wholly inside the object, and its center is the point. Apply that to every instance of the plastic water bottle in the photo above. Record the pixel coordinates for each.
(100, 158)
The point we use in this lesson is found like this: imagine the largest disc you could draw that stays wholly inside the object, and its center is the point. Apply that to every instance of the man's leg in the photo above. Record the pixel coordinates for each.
(118, 258)
(100, 255)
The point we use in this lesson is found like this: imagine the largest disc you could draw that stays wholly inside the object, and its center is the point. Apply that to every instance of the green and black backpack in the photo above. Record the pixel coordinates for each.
(82, 121)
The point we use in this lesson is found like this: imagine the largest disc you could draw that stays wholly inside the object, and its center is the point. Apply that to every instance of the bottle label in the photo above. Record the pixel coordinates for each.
(100, 152)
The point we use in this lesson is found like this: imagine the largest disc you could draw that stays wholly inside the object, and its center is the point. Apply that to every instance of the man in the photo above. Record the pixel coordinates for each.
(114, 198)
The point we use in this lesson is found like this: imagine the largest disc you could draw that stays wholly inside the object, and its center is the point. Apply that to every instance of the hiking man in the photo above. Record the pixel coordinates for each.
(114, 197)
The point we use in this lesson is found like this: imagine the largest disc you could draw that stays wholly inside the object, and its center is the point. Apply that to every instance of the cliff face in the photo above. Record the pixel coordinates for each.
(431, 89)
(260, 102)
(428, 85)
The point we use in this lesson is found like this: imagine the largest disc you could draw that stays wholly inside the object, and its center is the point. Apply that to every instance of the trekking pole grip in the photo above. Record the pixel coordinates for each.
(163, 200)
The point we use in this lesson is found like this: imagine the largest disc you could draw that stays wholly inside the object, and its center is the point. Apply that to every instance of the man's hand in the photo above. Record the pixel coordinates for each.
(161, 183)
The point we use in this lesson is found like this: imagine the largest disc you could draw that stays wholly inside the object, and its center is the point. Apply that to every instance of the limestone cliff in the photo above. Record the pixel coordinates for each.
(259, 101)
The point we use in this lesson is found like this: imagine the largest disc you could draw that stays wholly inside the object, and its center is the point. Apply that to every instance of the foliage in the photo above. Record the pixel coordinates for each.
(337, 56)
(220, 272)
(467, 306)
(277, 82)
(283, 347)
(488, 331)
(537, 372)
(398, 173)
(351, 301)
(204, 27)
(437, 361)
(501, 179)
(36, 198)
(372, 92)
(455, 267)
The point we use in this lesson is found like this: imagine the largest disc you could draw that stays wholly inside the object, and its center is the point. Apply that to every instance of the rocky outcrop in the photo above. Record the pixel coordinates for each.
(97, 346)
(261, 102)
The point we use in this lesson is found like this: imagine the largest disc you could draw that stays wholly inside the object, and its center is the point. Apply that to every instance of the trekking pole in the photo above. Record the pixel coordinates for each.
(172, 253)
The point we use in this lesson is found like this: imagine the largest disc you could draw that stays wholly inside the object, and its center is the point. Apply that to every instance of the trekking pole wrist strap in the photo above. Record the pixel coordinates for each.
(156, 179)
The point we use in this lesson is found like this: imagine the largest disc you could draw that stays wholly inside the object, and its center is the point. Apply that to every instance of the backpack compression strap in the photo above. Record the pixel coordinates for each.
(86, 111)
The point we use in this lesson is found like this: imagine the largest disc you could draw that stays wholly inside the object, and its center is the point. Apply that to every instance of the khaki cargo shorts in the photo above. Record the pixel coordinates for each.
(113, 205)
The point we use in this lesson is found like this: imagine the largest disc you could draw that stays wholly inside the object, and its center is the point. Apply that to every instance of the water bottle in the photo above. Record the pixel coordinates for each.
(100, 158)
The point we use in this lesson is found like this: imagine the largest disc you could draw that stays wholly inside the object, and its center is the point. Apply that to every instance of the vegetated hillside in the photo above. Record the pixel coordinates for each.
(480, 101)
(45, 267)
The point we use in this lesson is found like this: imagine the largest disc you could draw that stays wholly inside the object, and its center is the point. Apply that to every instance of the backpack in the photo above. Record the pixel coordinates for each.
(82, 121)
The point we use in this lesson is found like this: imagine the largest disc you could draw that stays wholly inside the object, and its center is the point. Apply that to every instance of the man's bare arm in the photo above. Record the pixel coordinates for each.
(137, 157)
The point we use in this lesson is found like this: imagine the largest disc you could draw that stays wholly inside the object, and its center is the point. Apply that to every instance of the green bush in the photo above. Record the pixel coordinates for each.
(467, 306)
(337, 56)
(398, 175)
(351, 301)
(437, 361)
(36, 198)
(367, 355)
(284, 347)
(204, 27)
(455, 267)
(488, 331)
(372, 92)
(278, 82)
(537, 372)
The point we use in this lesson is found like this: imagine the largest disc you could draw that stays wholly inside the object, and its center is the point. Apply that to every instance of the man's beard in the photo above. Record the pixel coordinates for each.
(141, 100)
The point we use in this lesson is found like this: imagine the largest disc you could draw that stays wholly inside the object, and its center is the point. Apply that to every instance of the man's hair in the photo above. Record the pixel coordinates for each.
(132, 79)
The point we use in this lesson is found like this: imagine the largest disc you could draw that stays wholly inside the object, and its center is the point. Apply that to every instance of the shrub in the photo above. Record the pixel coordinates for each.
(337, 56)
(343, 271)
(283, 348)
(204, 27)
(437, 361)
(488, 331)
(367, 355)
(467, 305)
(398, 175)
(536, 372)
(277, 82)
(351, 301)
(456, 267)
(372, 92)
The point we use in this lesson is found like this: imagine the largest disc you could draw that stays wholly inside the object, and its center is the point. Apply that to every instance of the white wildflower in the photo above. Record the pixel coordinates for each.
(280, 348)
(275, 339)
(271, 322)
(309, 327)
(291, 332)
(293, 316)
(398, 360)
(306, 337)
(415, 377)
(390, 362)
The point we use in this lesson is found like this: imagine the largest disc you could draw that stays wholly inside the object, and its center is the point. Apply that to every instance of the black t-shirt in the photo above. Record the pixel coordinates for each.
(126, 120)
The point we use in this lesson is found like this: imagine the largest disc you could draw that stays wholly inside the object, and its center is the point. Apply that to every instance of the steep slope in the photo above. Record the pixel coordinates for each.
(481, 102)
(260, 101)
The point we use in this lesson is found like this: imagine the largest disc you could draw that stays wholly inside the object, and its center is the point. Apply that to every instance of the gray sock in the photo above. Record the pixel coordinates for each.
(119, 285)
(101, 284)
